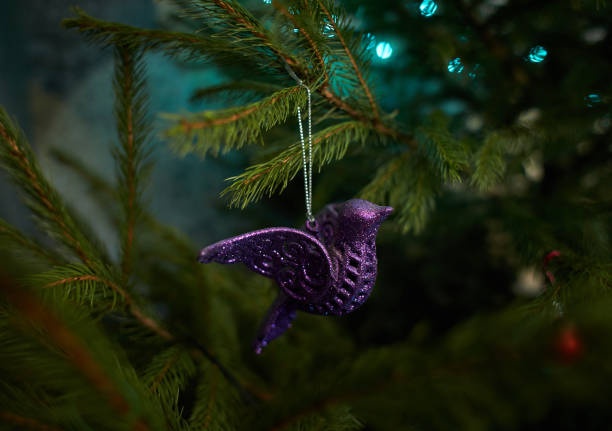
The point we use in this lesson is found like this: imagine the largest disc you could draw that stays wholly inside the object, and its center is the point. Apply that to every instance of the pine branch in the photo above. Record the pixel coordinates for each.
(351, 58)
(75, 350)
(18, 159)
(490, 159)
(83, 285)
(169, 373)
(99, 186)
(133, 127)
(448, 155)
(216, 405)
(407, 184)
(240, 90)
(79, 284)
(14, 238)
(186, 46)
(232, 128)
(24, 422)
(315, 49)
(330, 415)
(329, 144)
(231, 22)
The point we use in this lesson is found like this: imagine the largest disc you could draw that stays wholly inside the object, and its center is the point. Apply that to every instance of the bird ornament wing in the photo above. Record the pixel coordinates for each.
(297, 260)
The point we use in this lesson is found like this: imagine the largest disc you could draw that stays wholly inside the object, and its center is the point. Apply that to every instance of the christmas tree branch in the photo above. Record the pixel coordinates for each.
(351, 58)
(19, 161)
(74, 349)
(275, 174)
(187, 45)
(239, 89)
(24, 422)
(232, 128)
(69, 275)
(97, 184)
(12, 235)
(408, 184)
(283, 10)
(133, 127)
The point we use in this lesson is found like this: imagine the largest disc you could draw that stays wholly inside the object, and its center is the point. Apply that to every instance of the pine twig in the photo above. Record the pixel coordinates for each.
(28, 176)
(365, 87)
(145, 321)
(24, 422)
(76, 351)
(283, 10)
(10, 233)
(133, 129)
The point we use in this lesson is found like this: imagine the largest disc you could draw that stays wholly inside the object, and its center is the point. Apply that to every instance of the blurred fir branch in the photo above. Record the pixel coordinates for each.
(232, 128)
(133, 128)
(273, 175)
(45, 203)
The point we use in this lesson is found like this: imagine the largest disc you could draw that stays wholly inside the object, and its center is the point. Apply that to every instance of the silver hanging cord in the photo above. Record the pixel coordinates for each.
(307, 165)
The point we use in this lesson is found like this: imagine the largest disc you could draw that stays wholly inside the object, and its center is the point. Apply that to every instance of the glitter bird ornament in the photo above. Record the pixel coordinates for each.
(328, 267)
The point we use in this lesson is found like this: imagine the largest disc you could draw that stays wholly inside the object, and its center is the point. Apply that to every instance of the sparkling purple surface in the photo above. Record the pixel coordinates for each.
(328, 267)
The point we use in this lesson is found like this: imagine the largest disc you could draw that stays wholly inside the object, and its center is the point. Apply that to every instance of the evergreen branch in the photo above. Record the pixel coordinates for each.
(231, 23)
(75, 350)
(359, 116)
(448, 155)
(238, 89)
(79, 275)
(216, 403)
(185, 45)
(347, 422)
(133, 128)
(12, 235)
(490, 159)
(44, 201)
(283, 10)
(76, 282)
(407, 184)
(351, 58)
(24, 422)
(168, 373)
(98, 184)
(232, 128)
(169, 363)
(490, 164)
(275, 174)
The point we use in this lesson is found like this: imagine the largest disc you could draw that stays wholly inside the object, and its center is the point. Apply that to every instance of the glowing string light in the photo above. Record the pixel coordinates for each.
(455, 66)
(428, 8)
(384, 50)
(537, 54)
(592, 99)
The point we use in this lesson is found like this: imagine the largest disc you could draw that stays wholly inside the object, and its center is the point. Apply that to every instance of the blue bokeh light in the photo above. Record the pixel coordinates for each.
(384, 50)
(592, 99)
(267, 1)
(428, 8)
(370, 41)
(474, 73)
(455, 66)
(537, 54)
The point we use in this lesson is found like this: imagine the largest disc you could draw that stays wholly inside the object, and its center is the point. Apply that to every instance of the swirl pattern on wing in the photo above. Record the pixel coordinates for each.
(297, 260)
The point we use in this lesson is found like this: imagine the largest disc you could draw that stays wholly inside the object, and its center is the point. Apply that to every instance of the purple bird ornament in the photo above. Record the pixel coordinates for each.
(328, 267)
